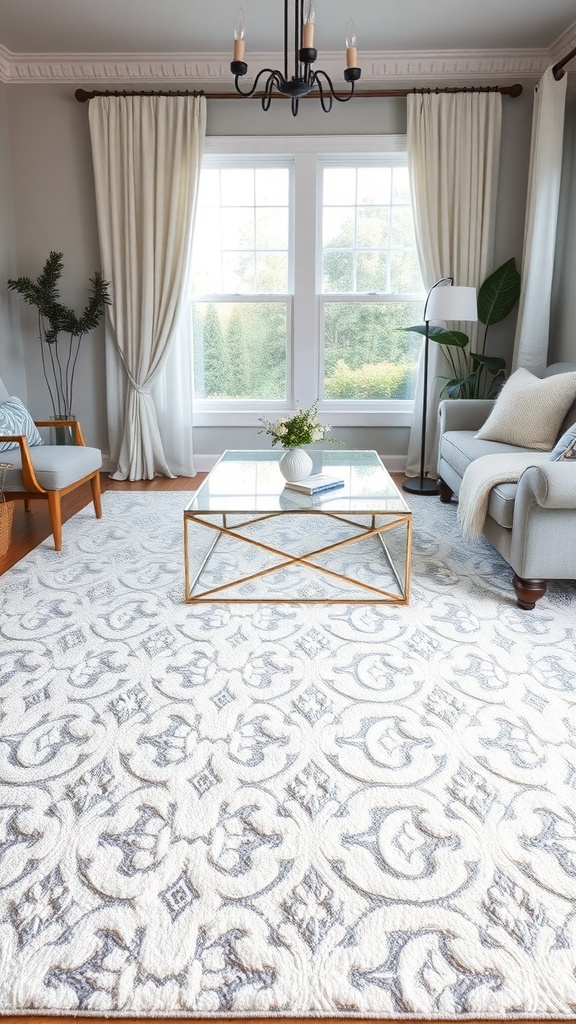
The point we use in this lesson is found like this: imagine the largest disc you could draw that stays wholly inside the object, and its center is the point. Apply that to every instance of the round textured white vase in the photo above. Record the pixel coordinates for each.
(295, 464)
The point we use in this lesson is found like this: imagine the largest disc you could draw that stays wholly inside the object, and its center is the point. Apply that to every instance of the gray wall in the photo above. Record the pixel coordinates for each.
(52, 196)
(11, 348)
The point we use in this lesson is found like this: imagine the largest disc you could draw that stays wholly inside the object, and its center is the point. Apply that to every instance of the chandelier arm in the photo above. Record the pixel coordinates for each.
(341, 99)
(325, 101)
(264, 71)
(268, 90)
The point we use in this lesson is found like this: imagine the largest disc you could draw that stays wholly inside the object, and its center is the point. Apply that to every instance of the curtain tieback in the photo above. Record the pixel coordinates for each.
(140, 388)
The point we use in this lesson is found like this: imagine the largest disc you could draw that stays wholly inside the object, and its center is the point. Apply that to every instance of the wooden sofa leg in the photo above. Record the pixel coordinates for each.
(528, 591)
(55, 518)
(27, 504)
(445, 491)
(95, 485)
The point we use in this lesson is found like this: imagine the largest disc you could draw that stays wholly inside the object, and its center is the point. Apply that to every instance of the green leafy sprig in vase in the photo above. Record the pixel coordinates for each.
(291, 433)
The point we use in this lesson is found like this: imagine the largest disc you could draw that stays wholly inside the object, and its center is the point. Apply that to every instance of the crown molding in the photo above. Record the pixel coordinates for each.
(204, 71)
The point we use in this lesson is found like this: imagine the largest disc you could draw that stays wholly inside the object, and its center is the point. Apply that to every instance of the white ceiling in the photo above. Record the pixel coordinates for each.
(205, 26)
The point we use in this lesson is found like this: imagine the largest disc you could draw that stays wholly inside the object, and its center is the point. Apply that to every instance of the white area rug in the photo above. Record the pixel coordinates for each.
(286, 810)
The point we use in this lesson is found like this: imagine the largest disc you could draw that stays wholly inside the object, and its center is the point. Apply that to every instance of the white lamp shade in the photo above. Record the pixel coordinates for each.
(451, 302)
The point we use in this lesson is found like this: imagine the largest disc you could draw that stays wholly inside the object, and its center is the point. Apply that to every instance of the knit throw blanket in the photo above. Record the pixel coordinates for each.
(480, 477)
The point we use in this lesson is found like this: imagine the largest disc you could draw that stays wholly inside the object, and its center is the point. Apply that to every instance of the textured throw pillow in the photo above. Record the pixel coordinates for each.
(566, 447)
(529, 411)
(15, 419)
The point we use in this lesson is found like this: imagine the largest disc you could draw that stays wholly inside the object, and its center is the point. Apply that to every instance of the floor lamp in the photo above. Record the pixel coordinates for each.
(450, 303)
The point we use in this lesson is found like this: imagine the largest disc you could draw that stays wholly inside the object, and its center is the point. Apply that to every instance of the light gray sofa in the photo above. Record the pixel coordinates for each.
(531, 523)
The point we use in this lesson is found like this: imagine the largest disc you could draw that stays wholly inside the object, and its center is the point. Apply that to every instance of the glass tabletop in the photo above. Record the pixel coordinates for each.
(251, 481)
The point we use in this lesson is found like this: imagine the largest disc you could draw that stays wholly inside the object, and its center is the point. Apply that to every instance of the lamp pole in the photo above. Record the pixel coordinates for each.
(452, 303)
(419, 484)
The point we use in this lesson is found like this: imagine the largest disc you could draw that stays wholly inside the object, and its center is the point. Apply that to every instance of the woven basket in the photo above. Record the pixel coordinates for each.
(6, 517)
(6, 513)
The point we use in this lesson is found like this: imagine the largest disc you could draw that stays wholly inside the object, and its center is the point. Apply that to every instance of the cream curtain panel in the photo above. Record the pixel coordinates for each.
(544, 176)
(453, 158)
(147, 153)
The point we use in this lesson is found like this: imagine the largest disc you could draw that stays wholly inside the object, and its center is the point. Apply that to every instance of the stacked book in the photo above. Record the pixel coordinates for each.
(315, 484)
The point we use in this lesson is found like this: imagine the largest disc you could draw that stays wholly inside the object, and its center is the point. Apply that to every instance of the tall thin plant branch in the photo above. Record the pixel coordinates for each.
(60, 381)
(42, 343)
(73, 370)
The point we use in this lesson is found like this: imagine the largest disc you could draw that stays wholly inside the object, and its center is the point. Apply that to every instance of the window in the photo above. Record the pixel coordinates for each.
(241, 282)
(370, 275)
(304, 273)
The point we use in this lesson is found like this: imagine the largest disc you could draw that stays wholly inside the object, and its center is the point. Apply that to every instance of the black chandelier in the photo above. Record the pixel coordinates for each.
(304, 78)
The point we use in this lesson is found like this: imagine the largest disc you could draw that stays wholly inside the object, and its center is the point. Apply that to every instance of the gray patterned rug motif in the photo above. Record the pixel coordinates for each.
(283, 809)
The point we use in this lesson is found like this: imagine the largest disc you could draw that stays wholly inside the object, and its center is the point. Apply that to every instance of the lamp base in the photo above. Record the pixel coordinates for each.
(420, 485)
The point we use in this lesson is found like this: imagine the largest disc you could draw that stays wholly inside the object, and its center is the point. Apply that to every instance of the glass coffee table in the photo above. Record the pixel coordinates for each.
(249, 538)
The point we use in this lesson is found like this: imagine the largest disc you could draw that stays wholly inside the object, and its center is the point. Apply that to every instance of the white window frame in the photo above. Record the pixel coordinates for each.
(304, 361)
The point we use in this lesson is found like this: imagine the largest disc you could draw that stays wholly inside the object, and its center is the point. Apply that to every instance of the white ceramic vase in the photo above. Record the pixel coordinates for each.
(295, 464)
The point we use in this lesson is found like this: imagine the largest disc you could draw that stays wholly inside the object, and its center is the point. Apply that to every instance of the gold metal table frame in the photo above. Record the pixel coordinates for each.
(249, 502)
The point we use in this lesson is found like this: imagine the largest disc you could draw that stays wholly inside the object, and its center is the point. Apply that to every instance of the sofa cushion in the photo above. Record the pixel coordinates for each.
(566, 447)
(15, 419)
(529, 410)
(460, 447)
(56, 466)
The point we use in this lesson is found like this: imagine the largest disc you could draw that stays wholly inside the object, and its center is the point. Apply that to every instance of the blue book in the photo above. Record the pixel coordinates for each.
(315, 484)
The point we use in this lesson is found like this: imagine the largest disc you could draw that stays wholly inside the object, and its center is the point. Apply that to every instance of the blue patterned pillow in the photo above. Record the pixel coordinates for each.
(566, 447)
(15, 419)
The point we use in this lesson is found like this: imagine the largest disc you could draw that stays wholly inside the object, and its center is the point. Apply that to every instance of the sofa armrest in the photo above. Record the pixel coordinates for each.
(464, 413)
(551, 485)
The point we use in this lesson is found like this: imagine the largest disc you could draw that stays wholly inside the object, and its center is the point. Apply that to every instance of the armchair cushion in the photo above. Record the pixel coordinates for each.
(529, 410)
(15, 419)
(56, 466)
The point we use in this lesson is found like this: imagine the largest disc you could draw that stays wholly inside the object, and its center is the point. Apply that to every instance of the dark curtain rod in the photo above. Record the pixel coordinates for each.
(558, 69)
(82, 95)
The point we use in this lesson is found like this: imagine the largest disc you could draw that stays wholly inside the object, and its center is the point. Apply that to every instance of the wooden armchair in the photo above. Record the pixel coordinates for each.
(49, 471)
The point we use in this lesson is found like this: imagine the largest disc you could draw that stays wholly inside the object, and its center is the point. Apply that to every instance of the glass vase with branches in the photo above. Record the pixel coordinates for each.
(60, 357)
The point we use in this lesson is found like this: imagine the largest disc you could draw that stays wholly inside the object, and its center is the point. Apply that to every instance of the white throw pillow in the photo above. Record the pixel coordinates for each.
(529, 411)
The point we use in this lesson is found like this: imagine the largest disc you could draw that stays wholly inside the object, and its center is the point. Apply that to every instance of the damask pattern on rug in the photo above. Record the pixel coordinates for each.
(258, 810)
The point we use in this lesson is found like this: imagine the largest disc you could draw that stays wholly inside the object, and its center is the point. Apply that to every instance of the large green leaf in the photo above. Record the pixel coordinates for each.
(445, 337)
(494, 364)
(499, 293)
(459, 387)
(440, 334)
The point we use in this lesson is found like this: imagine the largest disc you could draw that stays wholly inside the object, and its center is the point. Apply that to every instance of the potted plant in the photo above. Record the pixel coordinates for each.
(292, 432)
(59, 357)
(475, 374)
